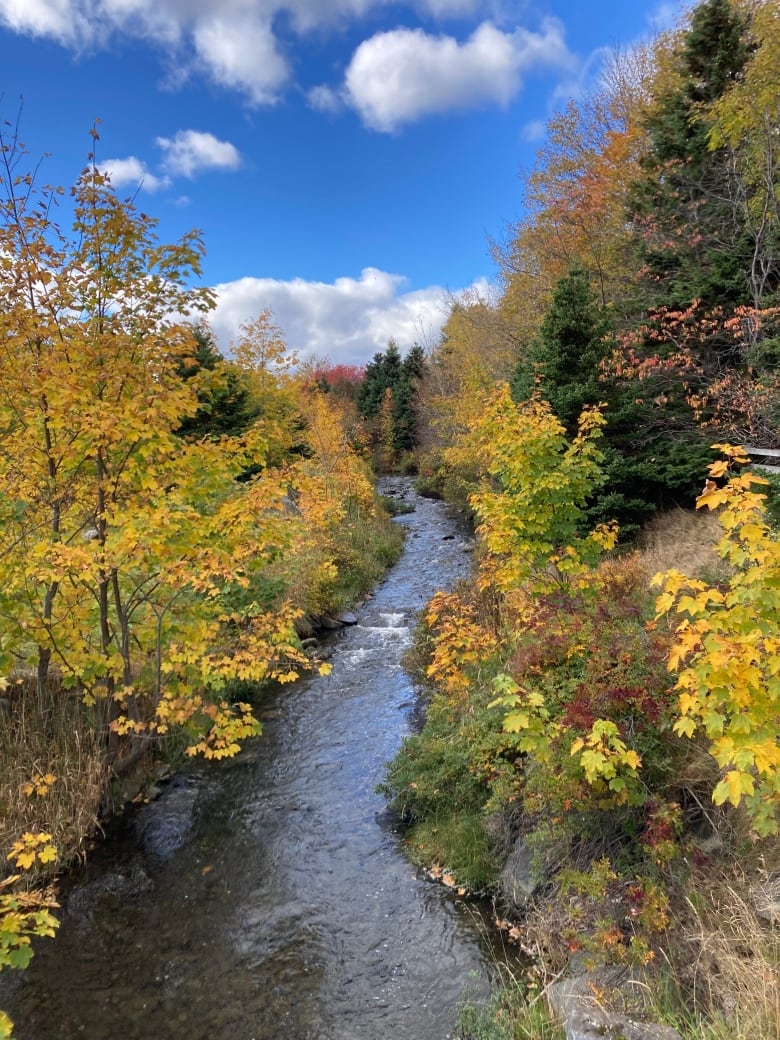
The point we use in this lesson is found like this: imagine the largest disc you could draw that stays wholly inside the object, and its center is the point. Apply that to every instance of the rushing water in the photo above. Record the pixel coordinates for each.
(266, 897)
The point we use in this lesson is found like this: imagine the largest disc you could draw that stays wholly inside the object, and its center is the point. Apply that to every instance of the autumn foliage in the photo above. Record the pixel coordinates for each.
(170, 519)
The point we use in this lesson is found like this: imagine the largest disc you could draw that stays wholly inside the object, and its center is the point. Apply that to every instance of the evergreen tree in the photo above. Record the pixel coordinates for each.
(383, 373)
(693, 245)
(226, 405)
(565, 359)
(387, 398)
(654, 452)
(405, 401)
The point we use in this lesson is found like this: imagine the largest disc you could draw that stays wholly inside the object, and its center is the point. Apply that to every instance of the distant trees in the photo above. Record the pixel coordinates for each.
(386, 399)
(342, 380)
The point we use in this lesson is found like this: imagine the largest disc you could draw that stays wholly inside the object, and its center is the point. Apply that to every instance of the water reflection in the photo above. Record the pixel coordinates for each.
(266, 899)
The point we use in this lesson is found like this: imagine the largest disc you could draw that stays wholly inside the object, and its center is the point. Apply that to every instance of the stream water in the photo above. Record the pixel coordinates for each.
(268, 897)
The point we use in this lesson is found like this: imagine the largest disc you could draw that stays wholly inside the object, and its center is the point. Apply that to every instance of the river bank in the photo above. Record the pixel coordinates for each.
(269, 896)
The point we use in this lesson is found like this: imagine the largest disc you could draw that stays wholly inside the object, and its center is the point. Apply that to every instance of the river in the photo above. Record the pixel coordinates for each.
(268, 897)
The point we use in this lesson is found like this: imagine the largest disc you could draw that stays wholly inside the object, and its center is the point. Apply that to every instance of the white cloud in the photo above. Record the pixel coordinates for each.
(191, 151)
(348, 320)
(133, 171)
(325, 99)
(241, 52)
(400, 76)
(57, 19)
(235, 44)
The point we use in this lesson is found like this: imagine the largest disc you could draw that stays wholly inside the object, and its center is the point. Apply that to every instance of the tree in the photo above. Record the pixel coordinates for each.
(727, 647)
(476, 349)
(576, 197)
(653, 451)
(565, 360)
(743, 122)
(131, 561)
(383, 373)
(386, 399)
(534, 485)
(693, 244)
(225, 406)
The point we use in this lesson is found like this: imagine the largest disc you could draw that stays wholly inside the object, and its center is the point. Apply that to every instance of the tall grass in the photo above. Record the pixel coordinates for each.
(722, 960)
(683, 539)
(53, 736)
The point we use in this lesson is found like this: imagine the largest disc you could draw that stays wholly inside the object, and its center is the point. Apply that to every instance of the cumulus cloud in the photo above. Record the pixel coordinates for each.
(241, 53)
(187, 153)
(400, 76)
(347, 320)
(56, 19)
(133, 171)
(234, 43)
(190, 152)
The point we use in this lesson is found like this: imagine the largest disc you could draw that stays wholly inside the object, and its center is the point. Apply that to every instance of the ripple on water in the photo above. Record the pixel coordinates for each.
(283, 906)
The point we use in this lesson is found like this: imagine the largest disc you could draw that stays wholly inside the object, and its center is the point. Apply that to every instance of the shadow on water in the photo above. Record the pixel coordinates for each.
(267, 897)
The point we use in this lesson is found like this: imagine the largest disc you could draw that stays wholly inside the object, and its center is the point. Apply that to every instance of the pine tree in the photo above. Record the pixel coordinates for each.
(654, 453)
(225, 402)
(693, 245)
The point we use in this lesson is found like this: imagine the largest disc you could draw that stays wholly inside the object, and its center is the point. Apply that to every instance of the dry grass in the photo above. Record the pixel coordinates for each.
(726, 959)
(54, 738)
(683, 539)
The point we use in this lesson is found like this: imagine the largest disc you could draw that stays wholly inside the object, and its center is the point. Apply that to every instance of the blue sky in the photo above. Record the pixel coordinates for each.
(347, 161)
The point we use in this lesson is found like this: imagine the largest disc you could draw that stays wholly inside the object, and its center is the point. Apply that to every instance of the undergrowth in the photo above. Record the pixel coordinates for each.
(552, 719)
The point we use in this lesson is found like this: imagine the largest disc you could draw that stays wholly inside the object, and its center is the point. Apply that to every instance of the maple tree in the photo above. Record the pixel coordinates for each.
(727, 650)
(535, 483)
(132, 560)
(342, 380)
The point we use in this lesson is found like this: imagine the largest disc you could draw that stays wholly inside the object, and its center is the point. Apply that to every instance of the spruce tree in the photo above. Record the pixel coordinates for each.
(226, 406)
(564, 362)
(388, 371)
(693, 245)
(654, 453)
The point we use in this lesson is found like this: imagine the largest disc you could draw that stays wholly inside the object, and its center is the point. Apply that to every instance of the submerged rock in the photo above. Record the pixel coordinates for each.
(163, 825)
(122, 887)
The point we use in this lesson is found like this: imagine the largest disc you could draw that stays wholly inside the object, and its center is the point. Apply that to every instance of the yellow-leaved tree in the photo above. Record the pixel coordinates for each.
(134, 562)
(131, 560)
(531, 506)
(727, 651)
